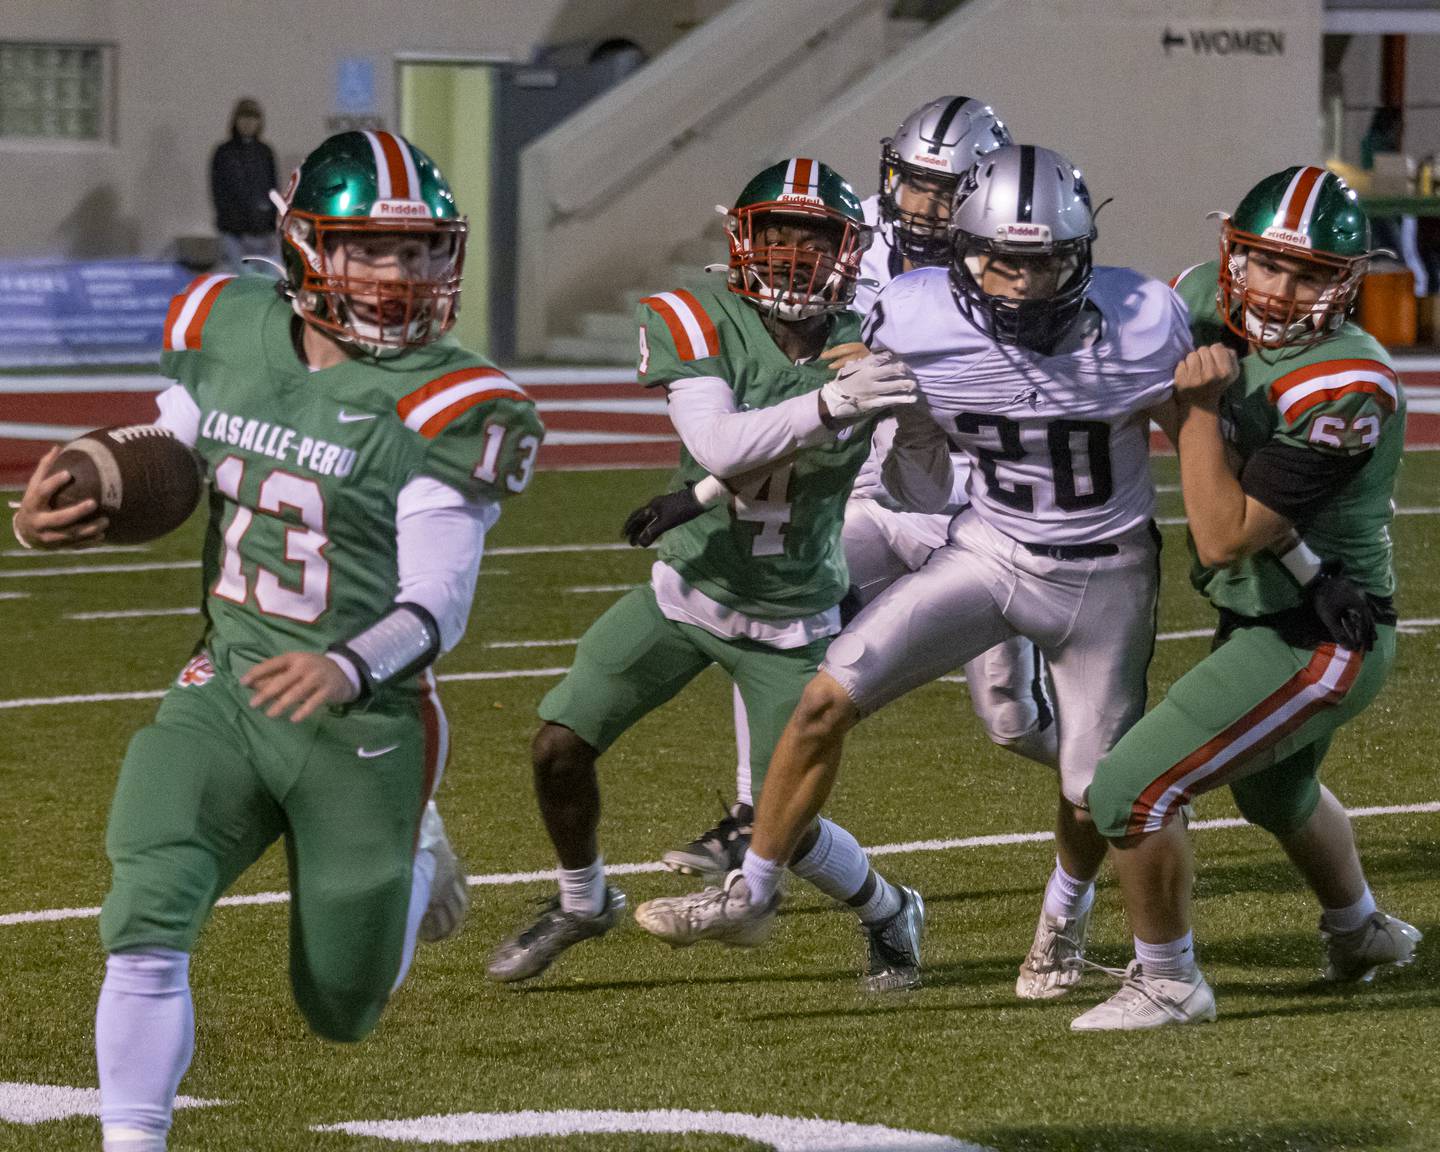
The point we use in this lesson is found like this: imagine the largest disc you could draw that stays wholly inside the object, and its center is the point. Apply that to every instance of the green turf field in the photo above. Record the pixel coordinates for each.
(625, 1024)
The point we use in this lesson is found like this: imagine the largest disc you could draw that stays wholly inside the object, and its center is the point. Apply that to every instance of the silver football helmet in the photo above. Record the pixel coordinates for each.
(930, 150)
(1030, 207)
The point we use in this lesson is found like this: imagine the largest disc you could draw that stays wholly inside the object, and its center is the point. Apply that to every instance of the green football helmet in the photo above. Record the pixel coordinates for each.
(1306, 221)
(797, 279)
(372, 242)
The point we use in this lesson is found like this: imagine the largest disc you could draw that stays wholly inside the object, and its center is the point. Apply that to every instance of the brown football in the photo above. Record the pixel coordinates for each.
(145, 481)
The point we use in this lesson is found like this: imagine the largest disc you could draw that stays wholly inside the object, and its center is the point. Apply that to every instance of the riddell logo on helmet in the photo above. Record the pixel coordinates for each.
(796, 198)
(1032, 233)
(408, 209)
(1286, 236)
(932, 161)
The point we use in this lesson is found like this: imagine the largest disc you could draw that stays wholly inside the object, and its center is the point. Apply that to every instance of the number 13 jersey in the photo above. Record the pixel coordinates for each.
(1060, 444)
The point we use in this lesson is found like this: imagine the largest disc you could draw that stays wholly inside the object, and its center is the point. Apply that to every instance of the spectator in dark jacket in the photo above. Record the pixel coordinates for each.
(242, 173)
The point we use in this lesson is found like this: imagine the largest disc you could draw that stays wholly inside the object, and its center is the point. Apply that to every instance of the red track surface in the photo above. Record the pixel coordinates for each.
(595, 418)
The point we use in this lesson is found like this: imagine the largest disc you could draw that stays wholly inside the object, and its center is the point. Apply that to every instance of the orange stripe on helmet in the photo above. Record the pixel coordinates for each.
(395, 162)
(408, 404)
(678, 336)
(803, 169)
(1299, 195)
(437, 423)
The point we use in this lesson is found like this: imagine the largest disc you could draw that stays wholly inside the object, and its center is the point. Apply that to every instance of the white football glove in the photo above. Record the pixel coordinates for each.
(880, 380)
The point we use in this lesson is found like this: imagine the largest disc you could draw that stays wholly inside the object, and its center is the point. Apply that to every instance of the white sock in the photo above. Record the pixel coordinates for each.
(1172, 961)
(743, 794)
(1351, 917)
(835, 864)
(422, 874)
(119, 1139)
(1066, 897)
(582, 890)
(762, 877)
(144, 1038)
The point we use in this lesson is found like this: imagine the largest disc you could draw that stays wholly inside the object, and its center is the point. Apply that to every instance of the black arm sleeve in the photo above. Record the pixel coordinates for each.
(1297, 482)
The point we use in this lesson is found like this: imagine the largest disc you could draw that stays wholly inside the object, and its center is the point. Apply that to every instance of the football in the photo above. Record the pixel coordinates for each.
(144, 480)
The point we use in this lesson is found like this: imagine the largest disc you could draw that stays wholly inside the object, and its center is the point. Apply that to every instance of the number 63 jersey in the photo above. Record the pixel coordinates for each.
(306, 467)
(1060, 444)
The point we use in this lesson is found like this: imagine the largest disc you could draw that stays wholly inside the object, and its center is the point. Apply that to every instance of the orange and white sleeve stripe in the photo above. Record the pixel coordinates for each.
(1297, 392)
(434, 406)
(691, 330)
(189, 310)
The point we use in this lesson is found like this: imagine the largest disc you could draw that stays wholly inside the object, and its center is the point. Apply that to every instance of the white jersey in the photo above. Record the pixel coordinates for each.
(881, 264)
(1060, 444)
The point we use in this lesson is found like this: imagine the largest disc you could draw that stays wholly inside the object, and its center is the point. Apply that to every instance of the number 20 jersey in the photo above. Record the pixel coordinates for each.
(1060, 444)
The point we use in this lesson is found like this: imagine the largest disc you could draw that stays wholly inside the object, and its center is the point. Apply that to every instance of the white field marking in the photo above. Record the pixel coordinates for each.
(34, 553)
(14, 595)
(642, 405)
(509, 879)
(582, 589)
(531, 643)
(560, 436)
(1169, 521)
(39, 1103)
(1409, 627)
(132, 613)
(99, 569)
(779, 1133)
(546, 549)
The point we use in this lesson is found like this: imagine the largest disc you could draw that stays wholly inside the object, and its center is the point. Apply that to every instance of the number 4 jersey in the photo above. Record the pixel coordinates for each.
(1060, 443)
(306, 467)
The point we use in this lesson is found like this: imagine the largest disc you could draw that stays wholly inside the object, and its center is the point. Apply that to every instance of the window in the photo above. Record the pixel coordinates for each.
(55, 92)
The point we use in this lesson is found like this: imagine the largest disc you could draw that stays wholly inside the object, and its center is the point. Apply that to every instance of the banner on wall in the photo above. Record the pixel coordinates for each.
(100, 312)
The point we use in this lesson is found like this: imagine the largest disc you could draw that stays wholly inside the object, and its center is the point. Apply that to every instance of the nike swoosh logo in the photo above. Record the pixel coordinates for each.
(354, 417)
(368, 754)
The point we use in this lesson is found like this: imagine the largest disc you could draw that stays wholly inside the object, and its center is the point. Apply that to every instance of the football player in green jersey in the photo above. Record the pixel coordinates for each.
(1292, 432)
(357, 457)
(752, 585)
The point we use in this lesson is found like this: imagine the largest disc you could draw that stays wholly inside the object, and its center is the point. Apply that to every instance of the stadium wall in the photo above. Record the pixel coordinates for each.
(180, 66)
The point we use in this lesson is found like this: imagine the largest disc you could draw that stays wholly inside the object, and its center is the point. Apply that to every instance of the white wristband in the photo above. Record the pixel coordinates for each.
(710, 491)
(1301, 562)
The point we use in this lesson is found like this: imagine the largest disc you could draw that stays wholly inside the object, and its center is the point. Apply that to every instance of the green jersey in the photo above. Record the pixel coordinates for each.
(774, 552)
(306, 467)
(1339, 398)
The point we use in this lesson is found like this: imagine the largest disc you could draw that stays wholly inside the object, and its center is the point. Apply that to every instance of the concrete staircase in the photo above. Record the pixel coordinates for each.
(607, 336)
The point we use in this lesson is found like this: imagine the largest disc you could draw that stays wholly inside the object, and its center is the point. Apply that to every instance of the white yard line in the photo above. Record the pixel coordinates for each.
(37, 553)
(1409, 625)
(14, 595)
(506, 879)
(132, 614)
(98, 569)
(584, 589)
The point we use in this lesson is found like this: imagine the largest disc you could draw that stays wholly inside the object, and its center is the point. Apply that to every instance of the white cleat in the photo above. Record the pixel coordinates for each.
(1354, 957)
(1053, 965)
(449, 894)
(724, 914)
(1150, 1002)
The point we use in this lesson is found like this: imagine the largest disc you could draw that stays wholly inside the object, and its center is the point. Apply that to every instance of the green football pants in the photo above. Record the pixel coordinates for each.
(212, 783)
(632, 660)
(1256, 714)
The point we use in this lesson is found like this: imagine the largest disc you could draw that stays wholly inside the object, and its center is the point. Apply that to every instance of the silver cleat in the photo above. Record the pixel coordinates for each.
(1354, 957)
(532, 950)
(893, 963)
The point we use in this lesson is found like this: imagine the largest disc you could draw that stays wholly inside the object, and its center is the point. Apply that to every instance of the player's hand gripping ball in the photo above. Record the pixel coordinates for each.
(139, 478)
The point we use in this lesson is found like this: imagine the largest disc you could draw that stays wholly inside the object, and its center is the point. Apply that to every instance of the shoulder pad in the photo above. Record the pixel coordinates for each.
(185, 322)
(692, 332)
(432, 407)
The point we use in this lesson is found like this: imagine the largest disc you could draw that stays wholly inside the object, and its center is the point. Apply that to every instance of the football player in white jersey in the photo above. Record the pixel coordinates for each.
(1046, 372)
(920, 168)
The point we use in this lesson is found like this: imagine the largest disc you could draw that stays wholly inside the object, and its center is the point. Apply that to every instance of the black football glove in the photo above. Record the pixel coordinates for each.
(646, 525)
(1343, 607)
